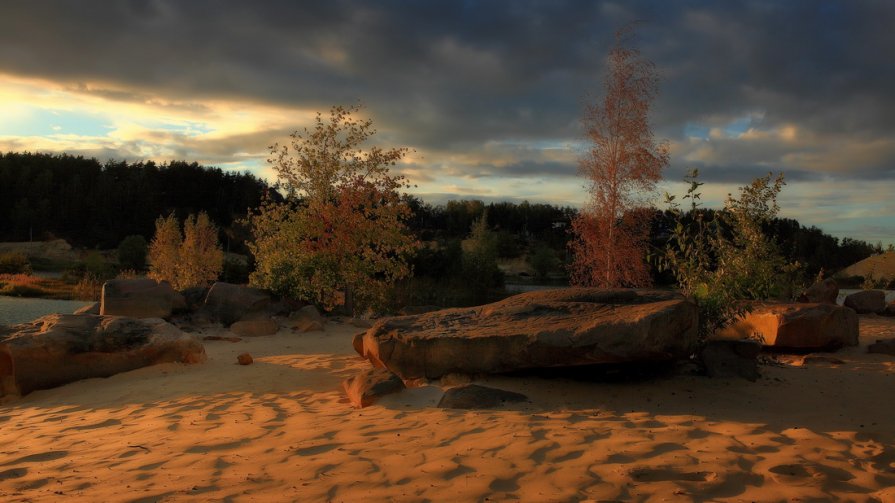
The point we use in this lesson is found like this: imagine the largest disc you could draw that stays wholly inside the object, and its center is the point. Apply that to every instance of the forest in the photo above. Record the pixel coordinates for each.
(95, 205)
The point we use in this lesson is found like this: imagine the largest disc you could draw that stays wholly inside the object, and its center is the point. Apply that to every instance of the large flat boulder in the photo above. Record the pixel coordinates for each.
(550, 328)
(137, 298)
(867, 301)
(801, 326)
(61, 348)
(229, 303)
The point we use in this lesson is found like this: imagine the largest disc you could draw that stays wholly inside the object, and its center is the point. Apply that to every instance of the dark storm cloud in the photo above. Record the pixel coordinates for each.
(452, 75)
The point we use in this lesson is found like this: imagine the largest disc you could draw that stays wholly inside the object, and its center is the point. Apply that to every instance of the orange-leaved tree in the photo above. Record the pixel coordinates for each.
(341, 230)
(622, 167)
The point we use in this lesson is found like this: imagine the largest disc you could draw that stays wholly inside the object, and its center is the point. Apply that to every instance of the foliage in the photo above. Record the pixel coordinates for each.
(14, 263)
(132, 252)
(543, 260)
(622, 168)
(97, 265)
(189, 258)
(235, 271)
(480, 272)
(343, 228)
(721, 259)
(92, 204)
(25, 285)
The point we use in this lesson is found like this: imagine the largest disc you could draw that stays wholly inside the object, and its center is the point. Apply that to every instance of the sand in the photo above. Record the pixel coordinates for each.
(281, 430)
(876, 266)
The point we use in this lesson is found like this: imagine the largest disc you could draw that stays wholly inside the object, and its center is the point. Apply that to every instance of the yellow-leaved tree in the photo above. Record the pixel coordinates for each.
(191, 258)
(341, 232)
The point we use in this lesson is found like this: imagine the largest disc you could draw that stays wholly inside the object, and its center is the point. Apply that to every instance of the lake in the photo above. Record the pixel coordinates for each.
(19, 310)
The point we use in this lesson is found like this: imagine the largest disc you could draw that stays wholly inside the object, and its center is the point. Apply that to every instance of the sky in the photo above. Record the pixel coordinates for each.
(489, 94)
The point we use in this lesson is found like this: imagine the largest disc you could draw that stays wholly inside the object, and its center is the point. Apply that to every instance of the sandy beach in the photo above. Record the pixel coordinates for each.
(282, 430)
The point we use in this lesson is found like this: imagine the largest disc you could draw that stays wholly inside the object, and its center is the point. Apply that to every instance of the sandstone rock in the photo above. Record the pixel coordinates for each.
(306, 319)
(368, 386)
(179, 304)
(821, 359)
(194, 297)
(410, 310)
(473, 396)
(230, 303)
(825, 292)
(731, 358)
(886, 347)
(809, 326)
(137, 298)
(867, 301)
(220, 338)
(255, 328)
(89, 309)
(244, 359)
(889, 310)
(357, 342)
(549, 328)
(61, 348)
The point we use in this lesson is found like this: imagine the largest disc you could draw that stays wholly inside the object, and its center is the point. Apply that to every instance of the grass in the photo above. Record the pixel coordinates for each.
(25, 285)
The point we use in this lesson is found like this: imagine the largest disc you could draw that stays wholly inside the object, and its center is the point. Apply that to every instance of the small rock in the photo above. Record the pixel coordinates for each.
(815, 359)
(889, 310)
(306, 319)
(867, 301)
(824, 292)
(473, 396)
(886, 347)
(255, 328)
(244, 359)
(368, 386)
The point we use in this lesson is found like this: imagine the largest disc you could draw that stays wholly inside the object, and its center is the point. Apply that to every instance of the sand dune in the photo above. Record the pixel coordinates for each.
(281, 430)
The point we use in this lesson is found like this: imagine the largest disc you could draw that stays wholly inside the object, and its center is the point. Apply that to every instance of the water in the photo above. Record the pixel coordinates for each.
(19, 310)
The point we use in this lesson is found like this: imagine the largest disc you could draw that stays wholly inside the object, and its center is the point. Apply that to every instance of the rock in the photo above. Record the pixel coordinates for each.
(89, 309)
(816, 359)
(230, 303)
(306, 319)
(368, 386)
(548, 328)
(194, 297)
(358, 343)
(220, 338)
(179, 304)
(886, 347)
(867, 301)
(809, 326)
(137, 298)
(244, 359)
(824, 292)
(889, 310)
(731, 358)
(61, 348)
(410, 310)
(255, 328)
(473, 396)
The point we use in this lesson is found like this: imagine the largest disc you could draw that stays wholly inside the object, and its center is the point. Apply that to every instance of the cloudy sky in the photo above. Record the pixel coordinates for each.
(489, 94)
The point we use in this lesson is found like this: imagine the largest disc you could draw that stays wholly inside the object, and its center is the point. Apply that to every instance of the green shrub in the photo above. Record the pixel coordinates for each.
(14, 263)
(543, 260)
(132, 253)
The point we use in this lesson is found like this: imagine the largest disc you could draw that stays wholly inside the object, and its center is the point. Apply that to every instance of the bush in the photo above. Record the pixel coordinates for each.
(543, 260)
(132, 253)
(235, 271)
(14, 263)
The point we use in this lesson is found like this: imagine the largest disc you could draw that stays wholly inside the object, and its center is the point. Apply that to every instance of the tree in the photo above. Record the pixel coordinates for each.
(185, 259)
(479, 263)
(622, 168)
(201, 256)
(164, 249)
(342, 229)
(132, 252)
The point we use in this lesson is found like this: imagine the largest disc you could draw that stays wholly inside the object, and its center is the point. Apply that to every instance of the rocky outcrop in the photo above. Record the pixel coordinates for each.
(549, 328)
(796, 326)
(61, 348)
(473, 396)
(368, 386)
(731, 358)
(306, 319)
(824, 292)
(137, 298)
(230, 303)
(867, 301)
(255, 328)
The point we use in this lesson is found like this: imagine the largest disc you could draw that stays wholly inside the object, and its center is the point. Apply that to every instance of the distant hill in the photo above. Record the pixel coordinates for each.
(878, 266)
